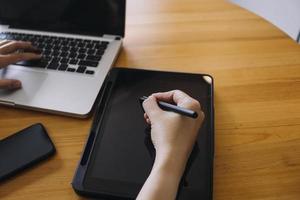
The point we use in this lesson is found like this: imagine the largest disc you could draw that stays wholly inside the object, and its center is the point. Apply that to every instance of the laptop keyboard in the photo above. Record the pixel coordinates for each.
(61, 53)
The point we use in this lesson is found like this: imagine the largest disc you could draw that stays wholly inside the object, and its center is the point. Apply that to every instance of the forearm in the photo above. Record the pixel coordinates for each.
(163, 181)
(173, 137)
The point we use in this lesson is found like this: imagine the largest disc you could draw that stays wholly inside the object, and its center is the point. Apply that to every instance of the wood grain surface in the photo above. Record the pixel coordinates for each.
(256, 69)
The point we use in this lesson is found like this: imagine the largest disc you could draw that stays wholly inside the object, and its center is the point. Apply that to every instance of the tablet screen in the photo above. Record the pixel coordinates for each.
(124, 153)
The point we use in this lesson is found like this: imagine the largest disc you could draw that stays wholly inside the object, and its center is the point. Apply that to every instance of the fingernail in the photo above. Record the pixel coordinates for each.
(16, 84)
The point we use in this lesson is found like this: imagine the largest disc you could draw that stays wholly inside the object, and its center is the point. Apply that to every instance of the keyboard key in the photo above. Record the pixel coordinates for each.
(91, 51)
(56, 47)
(96, 42)
(65, 43)
(89, 63)
(64, 60)
(47, 59)
(48, 41)
(81, 44)
(100, 52)
(64, 54)
(99, 46)
(33, 63)
(90, 45)
(42, 64)
(73, 43)
(82, 50)
(56, 42)
(63, 67)
(93, 58)
(71, 70)
(89, 72)
(40, 45)
(81, 69)
(47, 52)
(72, 55)
(39, 40)
(81, 56)
(2, 36)
(73, 61)
(55, 53)
(79, 40)
(74, 49)
(48, 46)
(17, 37)
(65, 48)
(56, 59)
(53, 65)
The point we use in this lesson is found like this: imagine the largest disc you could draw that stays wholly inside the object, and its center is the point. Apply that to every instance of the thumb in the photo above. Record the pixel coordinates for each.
(10, 84)
(151, 107)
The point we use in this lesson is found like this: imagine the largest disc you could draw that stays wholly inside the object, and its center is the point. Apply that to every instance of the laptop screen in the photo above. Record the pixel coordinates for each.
(91, 17)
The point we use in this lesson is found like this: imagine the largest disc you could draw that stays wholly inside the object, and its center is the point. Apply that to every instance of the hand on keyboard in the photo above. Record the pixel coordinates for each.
(12, 52)
(62, 53)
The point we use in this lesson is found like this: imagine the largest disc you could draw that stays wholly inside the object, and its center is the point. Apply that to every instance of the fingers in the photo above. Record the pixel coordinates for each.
(3, 42)
(13, 46)
(165, 96)
(179, 98)
(16, 57)
(175, 96)
(151, 107)
(10, 84)
(172, 96)
(147, 118)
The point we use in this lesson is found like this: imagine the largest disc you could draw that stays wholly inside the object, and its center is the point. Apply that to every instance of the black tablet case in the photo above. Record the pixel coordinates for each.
(195, 184)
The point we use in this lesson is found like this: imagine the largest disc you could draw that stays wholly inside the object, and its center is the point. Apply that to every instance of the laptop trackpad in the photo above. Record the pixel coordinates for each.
(31, 80)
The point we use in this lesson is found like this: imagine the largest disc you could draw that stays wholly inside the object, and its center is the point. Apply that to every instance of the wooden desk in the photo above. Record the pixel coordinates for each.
(257, 98)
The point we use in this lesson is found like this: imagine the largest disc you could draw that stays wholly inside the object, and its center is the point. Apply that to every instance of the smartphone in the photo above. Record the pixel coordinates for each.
(24, 149)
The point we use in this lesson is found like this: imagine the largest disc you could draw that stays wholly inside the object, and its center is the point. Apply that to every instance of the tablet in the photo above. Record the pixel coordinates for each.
(119, 154)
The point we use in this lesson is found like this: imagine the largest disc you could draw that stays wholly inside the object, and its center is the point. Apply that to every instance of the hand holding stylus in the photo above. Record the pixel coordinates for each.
(173, 136)
(173, 108)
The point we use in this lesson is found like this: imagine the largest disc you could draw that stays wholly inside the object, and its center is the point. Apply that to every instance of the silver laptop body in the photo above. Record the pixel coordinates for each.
(68, 89)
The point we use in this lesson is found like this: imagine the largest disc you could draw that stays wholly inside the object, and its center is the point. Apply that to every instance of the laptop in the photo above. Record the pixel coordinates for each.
(79, 39)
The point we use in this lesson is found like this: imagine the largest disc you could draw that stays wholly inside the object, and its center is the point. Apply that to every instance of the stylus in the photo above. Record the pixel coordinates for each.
(170, 107)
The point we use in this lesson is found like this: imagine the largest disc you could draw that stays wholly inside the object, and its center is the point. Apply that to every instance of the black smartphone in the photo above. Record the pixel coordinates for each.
(24, 149)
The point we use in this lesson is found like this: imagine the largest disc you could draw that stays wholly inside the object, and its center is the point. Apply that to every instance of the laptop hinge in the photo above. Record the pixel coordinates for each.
(112, 37)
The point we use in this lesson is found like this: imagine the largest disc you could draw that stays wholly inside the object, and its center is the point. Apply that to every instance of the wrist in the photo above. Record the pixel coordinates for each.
(170, 163)
(179, 153)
